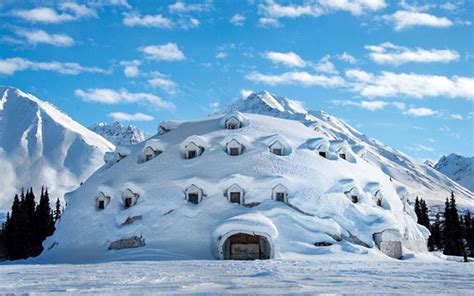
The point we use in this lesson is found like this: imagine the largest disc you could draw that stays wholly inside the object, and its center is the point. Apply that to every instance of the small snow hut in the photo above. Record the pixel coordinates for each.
(194, 194)
(353, 194)
(234, 147)
(280, 193)
(233, 123)
(129, 198)
(193, 150)
(102, 201)
(235, 194)
(322, 147)
(389, 242)
(341, 148)
(152, 149)
(277, 148)
(120, 153)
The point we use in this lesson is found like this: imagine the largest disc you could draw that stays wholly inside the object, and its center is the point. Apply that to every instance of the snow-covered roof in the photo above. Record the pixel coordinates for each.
(360, 150)
(123, 150)
(280, 188)
(241, 139)
(317, 144)
(168, 125)
(339, 146)
(154, 144)
(247, 223)
(197, 140)
(237, 115)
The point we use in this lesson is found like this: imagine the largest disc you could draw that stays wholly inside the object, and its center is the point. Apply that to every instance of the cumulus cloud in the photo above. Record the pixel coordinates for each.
(237, 20)
(162, 81)
(403, 19)
(113, 97)
(347, 58)
(188, 22)
(166, 52)
(355, 7)
(155, 21)
(39, 36)
(421, 112)
(326, 66)
(182, 7)
(69, 11)
(11, 65)
(388, 53)
(120, 116)
(369, 105)
(123, 3)
(389, 84)
(221, 55)
(274, 10)
(296, 78)
(289, 59)
(131, 68)
(268, 22)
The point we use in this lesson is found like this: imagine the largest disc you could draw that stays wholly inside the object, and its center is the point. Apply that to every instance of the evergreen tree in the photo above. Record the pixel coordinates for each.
(417, 210)
(468, 232)
(452, 233)
(57, 211)
(435, 242)
(425, 218)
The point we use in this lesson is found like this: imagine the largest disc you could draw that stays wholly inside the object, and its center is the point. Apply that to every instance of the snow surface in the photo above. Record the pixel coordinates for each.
(458, 168)
(331, 276)
(118, 133)
(421, 179)
(319, 209)
(40, 145)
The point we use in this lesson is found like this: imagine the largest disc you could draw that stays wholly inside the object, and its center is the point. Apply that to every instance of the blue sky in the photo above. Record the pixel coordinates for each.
(400, 71)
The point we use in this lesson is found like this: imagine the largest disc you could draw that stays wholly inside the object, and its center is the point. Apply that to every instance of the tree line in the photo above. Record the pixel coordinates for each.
(451, 233)
(28, 224)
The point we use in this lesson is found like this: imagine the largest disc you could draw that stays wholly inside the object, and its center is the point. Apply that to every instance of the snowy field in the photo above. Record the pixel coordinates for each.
(244, 277)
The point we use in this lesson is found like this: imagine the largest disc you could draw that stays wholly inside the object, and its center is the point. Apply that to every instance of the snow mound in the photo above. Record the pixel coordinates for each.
(321, 201)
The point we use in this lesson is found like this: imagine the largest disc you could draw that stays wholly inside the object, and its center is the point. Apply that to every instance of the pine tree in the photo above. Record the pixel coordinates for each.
(452, 233)
(417, 209)
(468, 232)
(425, 218)
(57, 211)
(435, 242)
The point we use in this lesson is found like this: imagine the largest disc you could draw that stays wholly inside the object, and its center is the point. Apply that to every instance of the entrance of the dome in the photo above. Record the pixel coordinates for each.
(243, 246)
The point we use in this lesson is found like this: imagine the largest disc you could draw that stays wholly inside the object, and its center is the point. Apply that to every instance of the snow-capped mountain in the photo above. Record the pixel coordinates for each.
(236, 186)
(421, 179)
(40, 145)
(119, 134)
(458, 168)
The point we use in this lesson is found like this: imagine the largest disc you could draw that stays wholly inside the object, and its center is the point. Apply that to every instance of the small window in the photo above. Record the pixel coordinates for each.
(280, 196)
(343, 156)
(354, 198)
(323, 154)
(128, 202)
(193, 198)
(379, 202)
(101, 204)
(148, 157)
(235, 197)
(277, 151)
(234, 151)
(192, 154)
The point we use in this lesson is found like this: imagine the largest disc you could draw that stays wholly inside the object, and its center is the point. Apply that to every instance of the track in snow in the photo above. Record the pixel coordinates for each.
(269, 277)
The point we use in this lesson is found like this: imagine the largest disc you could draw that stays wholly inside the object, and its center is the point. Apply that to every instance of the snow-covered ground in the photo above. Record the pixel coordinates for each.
(339, 276)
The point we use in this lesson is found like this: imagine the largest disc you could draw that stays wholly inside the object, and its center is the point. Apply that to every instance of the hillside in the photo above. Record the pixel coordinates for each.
(458, 168)
(40, 145)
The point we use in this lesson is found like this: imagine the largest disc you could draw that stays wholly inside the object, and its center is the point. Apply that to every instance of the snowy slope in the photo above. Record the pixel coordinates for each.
(118, 133)
(420, 179)
(458, 168)
(40, 145)
(318, 208)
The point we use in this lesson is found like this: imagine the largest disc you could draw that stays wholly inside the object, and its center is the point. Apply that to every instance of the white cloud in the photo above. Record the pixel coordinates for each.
(421, 112)
(456, 116)
(166, 52)
(268, 22)
(188, 22)
(274, 10)
(156, 21)
(411, 85)
(326, 66)
(296, 78)
(407, 19)
(120, 116)
(163, 82)
(11, 65)
(388, 53)
(369, 105)
(40, 36)
(289, 59)
(123, 3)
(182, 7)
(131, 68)
(237, 20)
(70, 11)
(113, 97)
(355, 7)
(244, 93)
(221, 55)
(347, 58)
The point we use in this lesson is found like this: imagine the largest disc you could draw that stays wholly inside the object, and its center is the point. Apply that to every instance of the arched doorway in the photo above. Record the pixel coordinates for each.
(243, 246)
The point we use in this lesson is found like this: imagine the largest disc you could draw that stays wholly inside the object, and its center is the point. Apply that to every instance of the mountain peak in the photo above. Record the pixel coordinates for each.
(118, 133)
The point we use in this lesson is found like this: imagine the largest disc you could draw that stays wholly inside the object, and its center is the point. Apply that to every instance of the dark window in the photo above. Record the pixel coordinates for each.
(280, 196)
(343, 156)
(234, 151)
(323, 154)
(101, 204)
(192, 154)
(231, 126)
(379, 202)
(235, 197)
(193, 198)
(354, 198)
(277, 151)
(148, 157)
(128, 202)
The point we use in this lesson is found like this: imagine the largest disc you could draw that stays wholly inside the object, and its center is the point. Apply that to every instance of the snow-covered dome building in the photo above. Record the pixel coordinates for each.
(277, 199)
